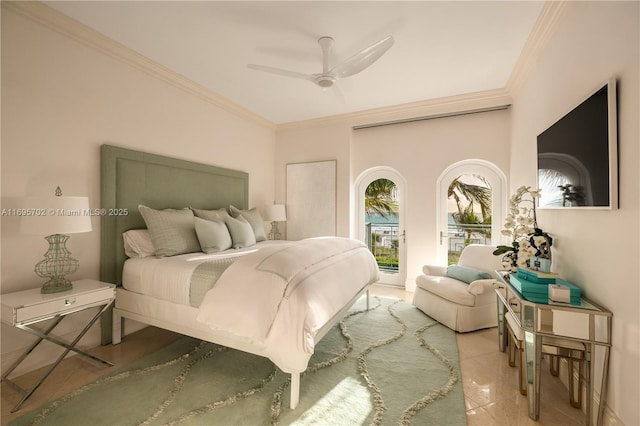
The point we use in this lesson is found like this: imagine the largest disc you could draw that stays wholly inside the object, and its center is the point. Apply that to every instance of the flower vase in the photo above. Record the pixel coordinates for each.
(540, 264)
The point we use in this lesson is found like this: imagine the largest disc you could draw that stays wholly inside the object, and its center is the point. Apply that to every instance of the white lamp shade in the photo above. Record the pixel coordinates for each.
(55, 215)
(275, 213)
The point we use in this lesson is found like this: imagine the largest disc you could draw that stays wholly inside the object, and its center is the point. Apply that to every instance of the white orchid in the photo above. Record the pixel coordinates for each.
(521, 224)
(539, 240)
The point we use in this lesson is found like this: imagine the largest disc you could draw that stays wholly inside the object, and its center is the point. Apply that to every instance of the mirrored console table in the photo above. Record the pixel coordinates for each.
(586, 323)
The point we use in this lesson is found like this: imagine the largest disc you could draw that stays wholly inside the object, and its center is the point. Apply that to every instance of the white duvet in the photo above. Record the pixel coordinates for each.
(281, 296)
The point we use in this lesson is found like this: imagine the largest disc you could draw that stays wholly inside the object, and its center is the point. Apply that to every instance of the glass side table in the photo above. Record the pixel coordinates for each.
(587, 323)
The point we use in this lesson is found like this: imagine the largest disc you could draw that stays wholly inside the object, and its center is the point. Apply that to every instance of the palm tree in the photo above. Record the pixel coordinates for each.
(381, 198)
(472, 194)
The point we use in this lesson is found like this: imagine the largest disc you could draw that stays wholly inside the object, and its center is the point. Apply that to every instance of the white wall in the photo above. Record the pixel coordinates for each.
(596, 249)
(60, 101)
(421, 151)
(317, 144)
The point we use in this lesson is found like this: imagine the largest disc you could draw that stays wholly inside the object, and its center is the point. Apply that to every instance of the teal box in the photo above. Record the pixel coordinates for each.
(539, 292)
(533, 292)
(537, 277)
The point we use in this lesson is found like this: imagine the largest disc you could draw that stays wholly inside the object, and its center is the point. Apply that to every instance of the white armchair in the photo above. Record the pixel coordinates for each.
(461, 306)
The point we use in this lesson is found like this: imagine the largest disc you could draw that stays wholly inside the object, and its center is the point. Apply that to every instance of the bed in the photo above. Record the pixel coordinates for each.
(273, 299)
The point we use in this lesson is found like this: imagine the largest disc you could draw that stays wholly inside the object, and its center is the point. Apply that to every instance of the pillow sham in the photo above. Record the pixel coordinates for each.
(137, 243)
(219, 214)
(466, 274)
(213, 235)
(255, 220)
(172, 231)
(241, 232)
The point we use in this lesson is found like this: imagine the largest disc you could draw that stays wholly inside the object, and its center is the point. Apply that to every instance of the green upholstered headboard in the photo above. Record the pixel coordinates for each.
(130, 178)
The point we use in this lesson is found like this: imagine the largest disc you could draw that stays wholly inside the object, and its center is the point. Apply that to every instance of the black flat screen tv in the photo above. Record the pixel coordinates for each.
(578, 155)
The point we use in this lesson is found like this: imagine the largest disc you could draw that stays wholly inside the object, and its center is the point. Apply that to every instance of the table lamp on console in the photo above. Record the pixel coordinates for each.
(55, 217)
(275, 213)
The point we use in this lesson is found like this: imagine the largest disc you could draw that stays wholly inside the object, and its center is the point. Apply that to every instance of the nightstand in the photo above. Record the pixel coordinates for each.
(24, 308)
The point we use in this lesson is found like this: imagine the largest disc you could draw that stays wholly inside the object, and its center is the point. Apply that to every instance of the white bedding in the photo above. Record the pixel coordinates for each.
(281, 296)
(168, 278)
(273, 300)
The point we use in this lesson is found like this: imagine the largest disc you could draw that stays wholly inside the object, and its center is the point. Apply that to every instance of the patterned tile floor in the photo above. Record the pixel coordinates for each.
(490, 385)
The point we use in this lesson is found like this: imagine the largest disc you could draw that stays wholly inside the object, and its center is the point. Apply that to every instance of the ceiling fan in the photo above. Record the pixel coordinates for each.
(328, 77)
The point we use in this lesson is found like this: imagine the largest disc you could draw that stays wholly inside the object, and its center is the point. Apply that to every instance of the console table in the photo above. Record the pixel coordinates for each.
(587, 323)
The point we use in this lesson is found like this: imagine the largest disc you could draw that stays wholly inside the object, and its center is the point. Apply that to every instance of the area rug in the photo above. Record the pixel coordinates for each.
(388, 365)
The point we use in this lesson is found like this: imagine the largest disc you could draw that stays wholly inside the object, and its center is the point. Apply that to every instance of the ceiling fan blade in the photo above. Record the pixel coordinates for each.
(362, 59)
(281, 72)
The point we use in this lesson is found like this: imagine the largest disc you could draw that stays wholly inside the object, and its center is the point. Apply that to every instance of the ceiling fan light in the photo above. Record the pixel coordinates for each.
(325, 81)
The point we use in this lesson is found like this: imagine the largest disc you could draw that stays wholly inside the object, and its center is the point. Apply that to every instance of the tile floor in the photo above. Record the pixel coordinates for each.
(490, 385)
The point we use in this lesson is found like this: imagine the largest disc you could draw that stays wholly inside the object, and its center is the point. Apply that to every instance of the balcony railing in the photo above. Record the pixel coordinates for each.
(382, 240)
(461, 235)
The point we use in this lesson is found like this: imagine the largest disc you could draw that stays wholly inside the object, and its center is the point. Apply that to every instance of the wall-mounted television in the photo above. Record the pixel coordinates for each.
(578, 155)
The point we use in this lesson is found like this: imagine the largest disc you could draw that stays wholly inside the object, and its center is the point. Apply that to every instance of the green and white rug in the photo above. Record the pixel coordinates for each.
(386, 366)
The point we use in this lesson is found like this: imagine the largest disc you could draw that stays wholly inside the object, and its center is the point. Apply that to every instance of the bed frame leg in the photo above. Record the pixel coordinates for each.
(295, 390)
(367, 298)
(117, 329)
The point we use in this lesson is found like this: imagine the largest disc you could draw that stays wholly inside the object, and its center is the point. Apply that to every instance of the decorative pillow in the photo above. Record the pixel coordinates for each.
(255, 220)
(466, 274)
(241, 232)
(220, 214)
(172, 231)
(137, 243)
(213, 235)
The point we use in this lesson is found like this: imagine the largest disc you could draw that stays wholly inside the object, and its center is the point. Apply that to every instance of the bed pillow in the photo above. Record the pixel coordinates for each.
(172, 231)
(219, 214)
(466, 274)
(137, 243)
(241, 232)
(213, 235)
(255, 220)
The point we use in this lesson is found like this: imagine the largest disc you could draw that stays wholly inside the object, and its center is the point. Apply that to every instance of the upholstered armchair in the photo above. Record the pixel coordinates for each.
(461, 296)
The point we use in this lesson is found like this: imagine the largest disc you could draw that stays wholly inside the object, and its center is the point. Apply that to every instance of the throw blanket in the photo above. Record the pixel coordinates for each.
(281, 296)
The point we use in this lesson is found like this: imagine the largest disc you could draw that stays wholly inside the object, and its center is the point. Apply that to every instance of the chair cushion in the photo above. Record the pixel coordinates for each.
(466, 274)
(447, 288)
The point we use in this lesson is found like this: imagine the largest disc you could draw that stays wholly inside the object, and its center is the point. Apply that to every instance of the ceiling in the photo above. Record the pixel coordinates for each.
(441, 48)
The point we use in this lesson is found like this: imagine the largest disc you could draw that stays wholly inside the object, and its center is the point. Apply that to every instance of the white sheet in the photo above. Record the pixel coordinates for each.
(281, 296)
(168, 278)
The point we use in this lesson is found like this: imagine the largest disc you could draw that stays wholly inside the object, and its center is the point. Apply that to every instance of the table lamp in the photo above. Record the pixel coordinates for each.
(55, 217)
(275, 213)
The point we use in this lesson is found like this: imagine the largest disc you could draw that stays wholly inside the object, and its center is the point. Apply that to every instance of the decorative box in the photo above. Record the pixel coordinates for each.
(539, 292)
(532, 291)
(575, 291)
(537, 277)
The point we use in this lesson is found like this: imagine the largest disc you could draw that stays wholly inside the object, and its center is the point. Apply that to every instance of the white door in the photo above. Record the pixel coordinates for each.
(385, 236)
(496, 179)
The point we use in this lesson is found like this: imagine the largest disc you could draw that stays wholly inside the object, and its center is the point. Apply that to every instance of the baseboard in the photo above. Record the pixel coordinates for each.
(609, 418)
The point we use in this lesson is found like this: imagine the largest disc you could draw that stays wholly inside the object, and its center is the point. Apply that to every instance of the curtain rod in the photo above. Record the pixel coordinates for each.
(432, 117)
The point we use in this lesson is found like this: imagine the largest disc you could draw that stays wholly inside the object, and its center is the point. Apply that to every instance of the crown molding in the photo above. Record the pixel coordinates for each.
(414, 111)
(542, 31)
(61, 23)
